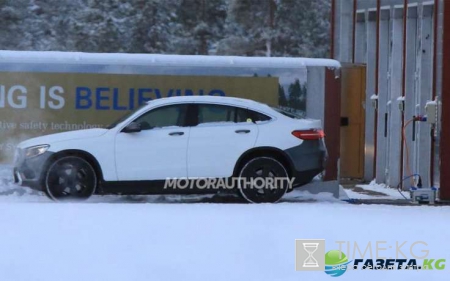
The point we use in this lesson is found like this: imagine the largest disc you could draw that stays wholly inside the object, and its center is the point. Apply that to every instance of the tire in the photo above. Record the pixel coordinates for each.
(70, 178)
(257, 169)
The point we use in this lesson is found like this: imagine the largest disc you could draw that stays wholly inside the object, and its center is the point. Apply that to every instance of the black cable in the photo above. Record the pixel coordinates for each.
(400, 184)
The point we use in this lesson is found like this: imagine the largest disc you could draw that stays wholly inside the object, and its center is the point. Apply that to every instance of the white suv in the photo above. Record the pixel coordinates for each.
(178, 138)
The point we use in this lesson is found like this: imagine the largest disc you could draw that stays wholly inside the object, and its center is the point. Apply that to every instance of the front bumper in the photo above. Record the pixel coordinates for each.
(29, 171)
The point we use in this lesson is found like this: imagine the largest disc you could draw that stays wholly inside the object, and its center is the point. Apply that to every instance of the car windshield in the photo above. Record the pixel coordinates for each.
(287, 113)
(124, 117)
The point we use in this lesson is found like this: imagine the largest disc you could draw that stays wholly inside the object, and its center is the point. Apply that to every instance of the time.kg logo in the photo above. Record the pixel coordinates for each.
(310, 256)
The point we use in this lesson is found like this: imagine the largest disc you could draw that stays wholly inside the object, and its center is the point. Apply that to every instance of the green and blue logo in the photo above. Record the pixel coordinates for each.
(335, 263)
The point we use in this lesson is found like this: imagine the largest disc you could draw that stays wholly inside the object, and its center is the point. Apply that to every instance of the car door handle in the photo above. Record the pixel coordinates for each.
(176, 134)
(242, 131)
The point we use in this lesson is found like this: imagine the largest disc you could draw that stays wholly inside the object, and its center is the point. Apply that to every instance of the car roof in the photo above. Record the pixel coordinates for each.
(212, 99)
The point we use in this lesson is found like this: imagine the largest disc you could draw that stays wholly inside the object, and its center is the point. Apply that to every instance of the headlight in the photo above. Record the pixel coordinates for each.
(36, 150)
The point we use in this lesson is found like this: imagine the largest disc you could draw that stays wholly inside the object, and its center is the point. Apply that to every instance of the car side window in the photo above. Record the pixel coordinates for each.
(166, 116)
(213, 113)
(247, 115)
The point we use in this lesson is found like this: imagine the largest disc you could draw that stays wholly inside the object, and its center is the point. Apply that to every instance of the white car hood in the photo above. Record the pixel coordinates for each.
(53, 138)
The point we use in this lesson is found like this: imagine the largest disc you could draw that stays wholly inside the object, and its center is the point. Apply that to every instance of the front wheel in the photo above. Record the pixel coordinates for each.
(70, 178)
(263, 180)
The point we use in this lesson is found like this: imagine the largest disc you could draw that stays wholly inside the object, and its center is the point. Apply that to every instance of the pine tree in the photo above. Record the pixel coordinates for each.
(303, 28)
(253, 23)
(10, 18)
(282, 101)
(302, 98)
(294, 93)
(199, 24)
(224, 27)
(153, 26)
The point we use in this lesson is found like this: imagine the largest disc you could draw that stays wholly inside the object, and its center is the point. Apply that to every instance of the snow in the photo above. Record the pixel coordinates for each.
(127, 238)
(198, 241)
(300, 28)
(374, 97)
(356, 195)
(68, 58)
(391, 193)
(5, 179)
(297, 196)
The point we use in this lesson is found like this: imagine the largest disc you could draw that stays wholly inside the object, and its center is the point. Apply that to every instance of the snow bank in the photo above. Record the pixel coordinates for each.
(9, 192)
(200, 241)
(98, 240)
(6, 179)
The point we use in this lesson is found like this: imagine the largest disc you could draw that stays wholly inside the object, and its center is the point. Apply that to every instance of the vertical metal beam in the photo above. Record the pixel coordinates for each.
(371, 27)
(376, 88)
(425, 81)
(354, 31)
(396, 91)
(435, 39)
(405, 14)
(394, 159)
(332, 112)
(377, 52)
(383, 97)
(361, 38)
(445, 118)
(410, 85)
(343, 32)
(433, 91)
(405, 17)
(333, 11)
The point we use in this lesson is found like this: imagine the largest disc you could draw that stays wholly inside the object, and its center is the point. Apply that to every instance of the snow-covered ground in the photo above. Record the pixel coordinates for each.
(376, 191)
(185, 240)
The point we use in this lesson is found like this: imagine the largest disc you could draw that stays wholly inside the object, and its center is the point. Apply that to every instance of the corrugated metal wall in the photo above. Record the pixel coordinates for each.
(375, 31)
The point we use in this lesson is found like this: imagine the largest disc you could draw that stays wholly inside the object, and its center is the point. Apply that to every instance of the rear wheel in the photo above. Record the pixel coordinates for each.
(263, 180)
(70, 178)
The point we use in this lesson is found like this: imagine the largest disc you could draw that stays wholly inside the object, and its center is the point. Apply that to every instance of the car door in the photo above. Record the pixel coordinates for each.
(217, 141)
(158, 151)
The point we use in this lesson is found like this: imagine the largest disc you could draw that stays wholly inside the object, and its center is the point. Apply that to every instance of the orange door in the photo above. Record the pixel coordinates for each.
(352, 121)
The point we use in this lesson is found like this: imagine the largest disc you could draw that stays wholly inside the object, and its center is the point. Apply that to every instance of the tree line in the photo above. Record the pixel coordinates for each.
(203, 27)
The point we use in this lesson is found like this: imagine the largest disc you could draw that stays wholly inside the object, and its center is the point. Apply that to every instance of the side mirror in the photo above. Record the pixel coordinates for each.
(133, 127)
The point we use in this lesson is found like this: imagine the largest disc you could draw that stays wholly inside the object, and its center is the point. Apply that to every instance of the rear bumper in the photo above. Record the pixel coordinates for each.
(308, 160)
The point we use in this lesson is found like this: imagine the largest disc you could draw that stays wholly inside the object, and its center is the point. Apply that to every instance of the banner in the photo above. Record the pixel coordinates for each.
(34, 104)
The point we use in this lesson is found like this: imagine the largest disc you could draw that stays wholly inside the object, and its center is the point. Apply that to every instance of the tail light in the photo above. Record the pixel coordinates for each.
(312, 134)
